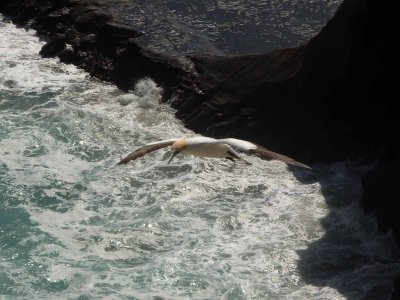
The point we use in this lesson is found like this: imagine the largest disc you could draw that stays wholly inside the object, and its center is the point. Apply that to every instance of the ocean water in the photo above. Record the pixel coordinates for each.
(225, 26)
(75, 226)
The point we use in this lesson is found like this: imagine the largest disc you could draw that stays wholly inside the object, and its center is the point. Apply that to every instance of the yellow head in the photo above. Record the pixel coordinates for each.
(178, 147)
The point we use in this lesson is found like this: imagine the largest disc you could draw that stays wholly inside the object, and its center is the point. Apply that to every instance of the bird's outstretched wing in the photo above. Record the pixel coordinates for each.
(268, 154)
(146, 149)
(262, 152)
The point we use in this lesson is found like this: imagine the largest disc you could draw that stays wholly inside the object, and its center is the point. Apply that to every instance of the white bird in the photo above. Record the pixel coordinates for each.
(210, 147)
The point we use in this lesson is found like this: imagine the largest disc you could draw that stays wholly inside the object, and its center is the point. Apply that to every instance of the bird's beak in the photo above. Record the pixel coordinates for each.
(173, 155)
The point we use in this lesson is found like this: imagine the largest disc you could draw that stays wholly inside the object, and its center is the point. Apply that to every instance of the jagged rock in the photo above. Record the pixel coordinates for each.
(52, 48)
(59, 13)
(119, 31)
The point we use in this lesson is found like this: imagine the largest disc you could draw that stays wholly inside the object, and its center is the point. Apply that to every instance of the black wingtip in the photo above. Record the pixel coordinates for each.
(304, 166)
(300, 165)
(122, 162)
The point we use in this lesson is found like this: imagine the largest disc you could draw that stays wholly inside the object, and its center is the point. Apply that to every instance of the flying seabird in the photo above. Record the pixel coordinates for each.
(210, 147)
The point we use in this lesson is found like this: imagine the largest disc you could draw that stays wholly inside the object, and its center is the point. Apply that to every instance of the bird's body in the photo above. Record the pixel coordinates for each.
(204, 150)
(202, 147)
(210, 147)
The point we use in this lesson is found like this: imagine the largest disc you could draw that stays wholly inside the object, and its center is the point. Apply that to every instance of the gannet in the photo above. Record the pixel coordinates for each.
(210, 147)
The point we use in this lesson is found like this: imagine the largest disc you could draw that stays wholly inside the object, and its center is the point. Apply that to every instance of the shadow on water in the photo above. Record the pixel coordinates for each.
(351, 257)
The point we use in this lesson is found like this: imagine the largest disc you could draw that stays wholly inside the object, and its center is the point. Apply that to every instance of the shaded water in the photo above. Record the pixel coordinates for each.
(73, 225)
(225, 26)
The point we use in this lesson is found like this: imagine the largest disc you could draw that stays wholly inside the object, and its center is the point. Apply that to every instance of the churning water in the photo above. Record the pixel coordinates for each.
(75, 226)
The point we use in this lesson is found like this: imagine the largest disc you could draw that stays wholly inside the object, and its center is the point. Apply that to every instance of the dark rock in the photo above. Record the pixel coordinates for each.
(59, 13)
(228, 82)
(82, 41)
(305, 101)
(58, 17)
(67, 56)
(44, 6)
(306, 88)
(79, 10)
(30, 3)
(381, 189)
(92, 16)
(396, 292)
(119, 31)
(89, 18)
(52, 48)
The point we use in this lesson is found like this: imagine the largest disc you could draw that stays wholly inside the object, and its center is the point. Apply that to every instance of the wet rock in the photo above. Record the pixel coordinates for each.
(83, 41)
(59, 13)
(30, 3)
(119, 31)
(67, 55)
(52, 48)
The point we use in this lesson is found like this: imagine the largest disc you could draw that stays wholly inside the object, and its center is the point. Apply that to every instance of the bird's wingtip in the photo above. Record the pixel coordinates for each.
(294, 163)
(301, 165)
(122, 162)
(307, 167)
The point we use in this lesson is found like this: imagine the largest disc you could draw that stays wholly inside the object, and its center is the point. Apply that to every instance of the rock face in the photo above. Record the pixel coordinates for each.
(323, 98)
(331, 99)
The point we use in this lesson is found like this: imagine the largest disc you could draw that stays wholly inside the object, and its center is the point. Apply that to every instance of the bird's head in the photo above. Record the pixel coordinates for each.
(178, 147)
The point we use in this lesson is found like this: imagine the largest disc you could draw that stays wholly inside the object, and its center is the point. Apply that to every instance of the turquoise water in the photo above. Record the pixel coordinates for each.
(75, 226)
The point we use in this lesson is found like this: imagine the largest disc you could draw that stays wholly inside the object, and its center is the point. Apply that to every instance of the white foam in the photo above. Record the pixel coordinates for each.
(146, 95)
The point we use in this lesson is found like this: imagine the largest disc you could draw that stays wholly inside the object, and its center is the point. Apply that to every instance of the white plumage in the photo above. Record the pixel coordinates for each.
(210, 147)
